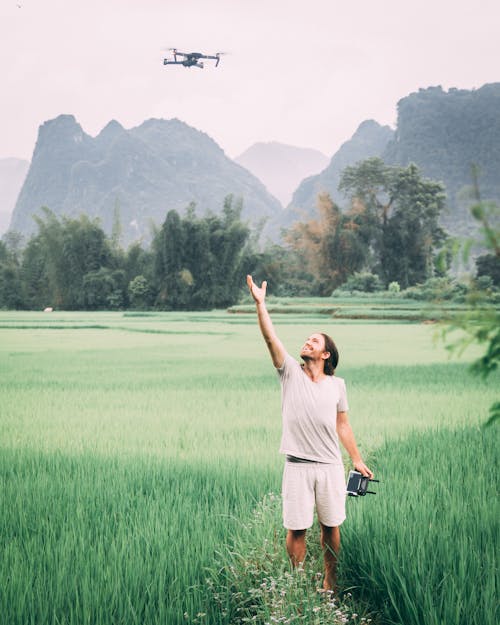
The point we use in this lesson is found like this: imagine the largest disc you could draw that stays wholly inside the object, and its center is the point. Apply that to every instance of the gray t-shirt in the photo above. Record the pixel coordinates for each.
(309, 411)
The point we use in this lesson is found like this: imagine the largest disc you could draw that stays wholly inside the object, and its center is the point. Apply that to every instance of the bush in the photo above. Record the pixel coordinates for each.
(489, 265)
(437, 289)
(365, 282)
(139, 292)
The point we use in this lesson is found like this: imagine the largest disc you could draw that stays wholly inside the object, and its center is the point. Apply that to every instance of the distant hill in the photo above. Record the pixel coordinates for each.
(12, 174)
(444, 132)
(282, 167)
(370, 139)
(144, 172)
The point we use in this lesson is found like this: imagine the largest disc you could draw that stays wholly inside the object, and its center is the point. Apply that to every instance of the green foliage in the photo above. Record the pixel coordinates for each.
(199, 262)
(330, 248)
(70, 264)
(139, 292)
(481, 323)
(445, 573)
(11, 295)
(364, 281)
(133, 445)
(252, 580)
(423, 550)
(488, 266)
(284, 270)
(61, 255)
(391, 230)
(438, 289)
(398, 212)
(102, 289)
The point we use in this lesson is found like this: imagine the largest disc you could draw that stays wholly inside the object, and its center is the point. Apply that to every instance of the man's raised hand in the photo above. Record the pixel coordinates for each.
(273, 343)
(258, 293)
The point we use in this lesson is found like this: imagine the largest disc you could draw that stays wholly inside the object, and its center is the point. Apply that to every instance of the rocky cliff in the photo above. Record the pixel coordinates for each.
(140, 173)
(370, 139)
(12, 175)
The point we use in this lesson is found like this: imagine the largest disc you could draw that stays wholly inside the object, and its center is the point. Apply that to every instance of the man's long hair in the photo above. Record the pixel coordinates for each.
(333, 360)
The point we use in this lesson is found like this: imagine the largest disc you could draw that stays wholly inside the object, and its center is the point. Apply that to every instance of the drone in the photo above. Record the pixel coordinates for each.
(191, 59)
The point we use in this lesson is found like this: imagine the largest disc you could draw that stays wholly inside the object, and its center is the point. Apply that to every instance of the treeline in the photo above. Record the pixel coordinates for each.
(389, 234)
(193, 263)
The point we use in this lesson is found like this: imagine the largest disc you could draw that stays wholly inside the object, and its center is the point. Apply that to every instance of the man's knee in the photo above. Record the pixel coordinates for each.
(296, 534)
(330, 534)
(329, 529)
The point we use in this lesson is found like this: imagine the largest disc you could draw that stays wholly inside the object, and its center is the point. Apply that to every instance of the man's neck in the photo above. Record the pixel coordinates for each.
(314, 369)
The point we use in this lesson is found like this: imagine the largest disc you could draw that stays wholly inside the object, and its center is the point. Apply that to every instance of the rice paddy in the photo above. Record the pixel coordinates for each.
(133, 447)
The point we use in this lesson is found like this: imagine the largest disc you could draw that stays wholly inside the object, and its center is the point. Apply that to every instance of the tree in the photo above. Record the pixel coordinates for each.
(489, 265)
(398, 213)
(68, 249)
(332, 247)
(412, 232)
(228, 237)
(34, 275)
(198, 263)
(169, 257)
(11, 291)
(98, 288)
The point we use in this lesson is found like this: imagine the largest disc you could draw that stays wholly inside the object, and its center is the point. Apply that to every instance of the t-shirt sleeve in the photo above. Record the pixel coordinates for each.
(342, 406)
(288, 363)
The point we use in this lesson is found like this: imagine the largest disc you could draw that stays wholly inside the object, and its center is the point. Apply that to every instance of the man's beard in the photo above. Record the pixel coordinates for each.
(305, 357)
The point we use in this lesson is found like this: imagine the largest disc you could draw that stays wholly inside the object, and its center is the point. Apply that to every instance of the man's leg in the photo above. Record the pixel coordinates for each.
(330, 542)
(296, 546)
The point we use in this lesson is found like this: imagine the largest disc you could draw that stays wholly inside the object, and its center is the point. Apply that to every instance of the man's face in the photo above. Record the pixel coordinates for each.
(314, 348)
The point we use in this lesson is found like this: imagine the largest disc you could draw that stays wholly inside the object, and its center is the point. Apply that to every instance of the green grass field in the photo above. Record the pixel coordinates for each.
(133, 446)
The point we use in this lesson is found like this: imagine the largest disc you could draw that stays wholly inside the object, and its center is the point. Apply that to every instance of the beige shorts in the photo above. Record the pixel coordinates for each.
(306, 484)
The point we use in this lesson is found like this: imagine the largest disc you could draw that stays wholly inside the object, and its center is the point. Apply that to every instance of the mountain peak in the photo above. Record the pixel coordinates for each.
(148, 170)
(281, 167)
(64, 126)
(112, 128)
(369, 139)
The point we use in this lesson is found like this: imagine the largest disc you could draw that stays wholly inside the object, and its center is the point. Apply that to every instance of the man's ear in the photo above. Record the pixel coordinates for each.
(325, 355)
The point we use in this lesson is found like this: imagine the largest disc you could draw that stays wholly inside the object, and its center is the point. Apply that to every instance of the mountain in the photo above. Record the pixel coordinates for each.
(281, 167)
(143, 172)
(444, 133)
(370, 139)
(12, 175)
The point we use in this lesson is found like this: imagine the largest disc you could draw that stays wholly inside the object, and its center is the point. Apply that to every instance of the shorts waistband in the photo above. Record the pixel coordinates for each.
(296, 460)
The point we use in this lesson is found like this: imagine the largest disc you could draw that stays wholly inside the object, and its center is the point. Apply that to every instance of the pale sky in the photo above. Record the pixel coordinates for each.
(301, 72)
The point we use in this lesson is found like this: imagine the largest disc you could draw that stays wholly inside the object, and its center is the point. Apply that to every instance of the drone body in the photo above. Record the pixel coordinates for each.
(191, 59)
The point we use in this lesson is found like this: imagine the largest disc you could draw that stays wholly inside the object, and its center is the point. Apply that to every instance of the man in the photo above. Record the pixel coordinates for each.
(314, 413)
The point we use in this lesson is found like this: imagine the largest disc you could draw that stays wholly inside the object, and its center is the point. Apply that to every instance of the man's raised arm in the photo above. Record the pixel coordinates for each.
(274, 345)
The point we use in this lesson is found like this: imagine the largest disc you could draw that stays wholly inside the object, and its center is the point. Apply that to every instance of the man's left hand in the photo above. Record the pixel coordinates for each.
(363, 469)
